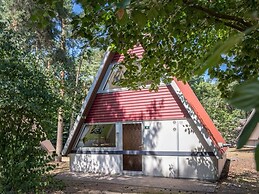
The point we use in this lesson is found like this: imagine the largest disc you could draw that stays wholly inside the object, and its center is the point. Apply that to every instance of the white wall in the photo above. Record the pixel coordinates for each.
(204, 168)
(159, 137)
(166, 166)
(190, 138)
(179, 136)
(95, 163)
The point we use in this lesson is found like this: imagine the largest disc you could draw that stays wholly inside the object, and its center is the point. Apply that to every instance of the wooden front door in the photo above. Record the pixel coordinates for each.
(132, 140)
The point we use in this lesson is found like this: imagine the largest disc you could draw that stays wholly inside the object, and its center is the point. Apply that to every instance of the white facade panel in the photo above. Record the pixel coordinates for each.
(173, 135)
(95, 163)
(190, 138)
(160, 136)
(165, 166)
(203, 131)
(204, 168)
(170, 149)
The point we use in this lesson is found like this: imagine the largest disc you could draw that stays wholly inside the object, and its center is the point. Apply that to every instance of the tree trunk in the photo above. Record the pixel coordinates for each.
(72, 118)
(59, 144)
(60, 128)
(59, 135)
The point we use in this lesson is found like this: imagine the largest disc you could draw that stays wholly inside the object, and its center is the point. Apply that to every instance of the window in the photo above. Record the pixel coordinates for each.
(101, 135)
(116, 74)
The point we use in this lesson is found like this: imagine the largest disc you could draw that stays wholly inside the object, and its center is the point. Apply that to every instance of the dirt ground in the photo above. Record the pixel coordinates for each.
(242, 178)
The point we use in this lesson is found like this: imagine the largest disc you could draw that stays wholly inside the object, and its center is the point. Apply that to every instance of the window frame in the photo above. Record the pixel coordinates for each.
(85, 129)
(106, 79)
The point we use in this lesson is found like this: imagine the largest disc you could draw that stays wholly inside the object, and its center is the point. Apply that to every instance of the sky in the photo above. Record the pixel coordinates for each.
(77, 8)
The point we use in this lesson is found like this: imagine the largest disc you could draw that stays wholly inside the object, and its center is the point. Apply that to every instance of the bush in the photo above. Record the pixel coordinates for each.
(27, 110)
(225, 117)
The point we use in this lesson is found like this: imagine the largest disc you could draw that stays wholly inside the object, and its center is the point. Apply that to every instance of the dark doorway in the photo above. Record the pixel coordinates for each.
(132, 140)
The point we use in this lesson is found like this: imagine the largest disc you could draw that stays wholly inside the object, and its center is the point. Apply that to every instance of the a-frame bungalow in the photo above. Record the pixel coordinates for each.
(165, 133)
(254, 137)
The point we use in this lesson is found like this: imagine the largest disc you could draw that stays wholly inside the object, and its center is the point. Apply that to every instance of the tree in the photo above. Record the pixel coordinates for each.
(225, 117)
(50, 41)
(27, 103)
(179, 34)
(181, 38)
(31, 59)
(88, 64)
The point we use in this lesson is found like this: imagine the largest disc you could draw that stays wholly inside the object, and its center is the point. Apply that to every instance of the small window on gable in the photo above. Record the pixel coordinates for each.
(99, 135)
(115, 75)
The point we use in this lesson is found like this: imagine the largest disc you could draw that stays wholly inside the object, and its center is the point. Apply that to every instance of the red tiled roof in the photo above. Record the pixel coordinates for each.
(137, 105)
(137, 51)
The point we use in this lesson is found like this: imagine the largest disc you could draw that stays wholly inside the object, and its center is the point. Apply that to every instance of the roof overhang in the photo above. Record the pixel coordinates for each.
(70, 143)
(184, 92)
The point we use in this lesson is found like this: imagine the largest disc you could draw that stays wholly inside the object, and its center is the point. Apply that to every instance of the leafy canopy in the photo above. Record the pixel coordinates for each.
(225, 117)
(181, 34)
(27, 105)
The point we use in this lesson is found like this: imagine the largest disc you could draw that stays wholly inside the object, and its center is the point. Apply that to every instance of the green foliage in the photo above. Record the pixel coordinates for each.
(245, 96)
(27, 104)
(56, 51)
(225, 117)
(176, 33)
(257, 157)
(86, 66)
(215, 55)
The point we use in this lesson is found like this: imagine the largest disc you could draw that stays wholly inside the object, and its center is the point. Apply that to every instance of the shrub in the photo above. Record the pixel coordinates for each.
(27, 110)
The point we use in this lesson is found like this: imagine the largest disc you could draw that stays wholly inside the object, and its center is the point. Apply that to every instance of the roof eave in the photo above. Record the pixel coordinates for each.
(87, 103)
(247, 121)
(217, 150)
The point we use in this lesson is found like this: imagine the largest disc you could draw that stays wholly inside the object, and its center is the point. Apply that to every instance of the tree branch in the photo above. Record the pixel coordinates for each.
(231, 25)
(220, 16)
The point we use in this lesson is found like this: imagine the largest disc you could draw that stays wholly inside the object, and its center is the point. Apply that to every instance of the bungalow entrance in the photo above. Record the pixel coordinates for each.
(132, 142)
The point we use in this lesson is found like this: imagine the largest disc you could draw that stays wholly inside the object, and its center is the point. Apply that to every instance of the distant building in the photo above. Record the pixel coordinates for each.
(254, 138)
